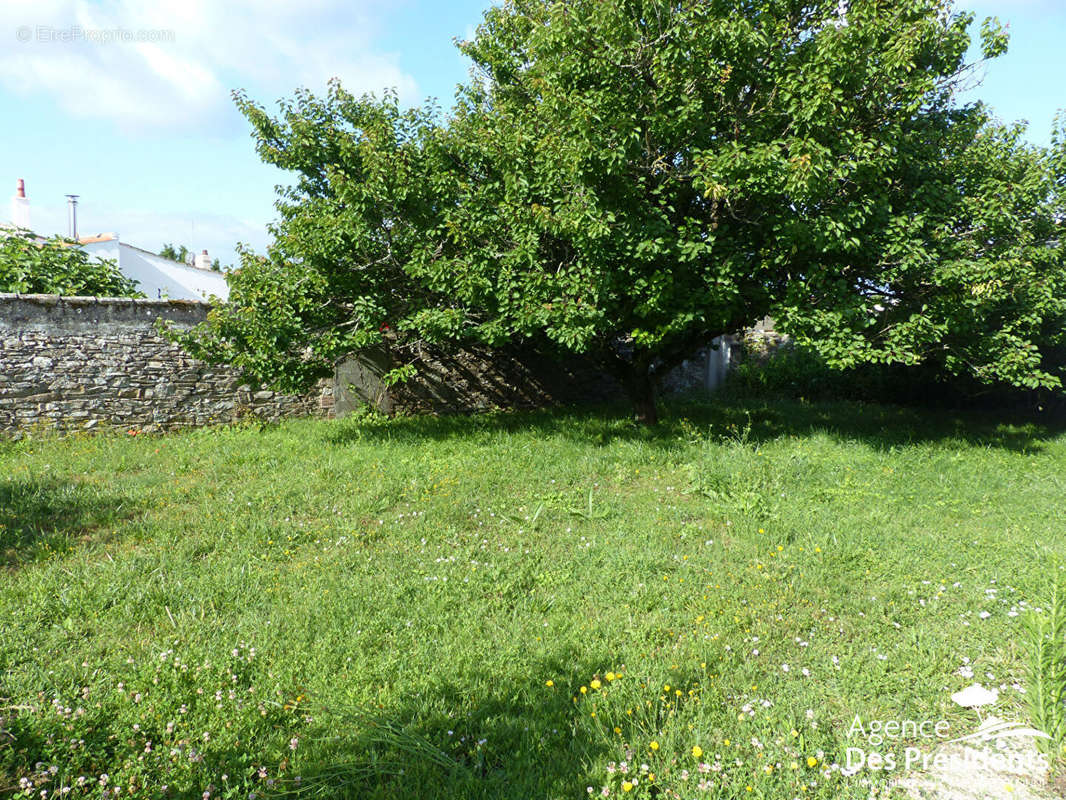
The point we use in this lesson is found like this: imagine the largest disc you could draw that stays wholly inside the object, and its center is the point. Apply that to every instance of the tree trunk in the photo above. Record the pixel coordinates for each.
(641, 391)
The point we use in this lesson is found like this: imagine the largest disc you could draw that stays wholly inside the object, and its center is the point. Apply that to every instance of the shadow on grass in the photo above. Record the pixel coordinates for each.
(38, 516)
(521, 740)
(723, 418)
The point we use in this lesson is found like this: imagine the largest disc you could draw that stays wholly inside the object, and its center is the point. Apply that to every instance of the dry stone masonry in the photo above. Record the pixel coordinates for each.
(80, 363)
(77, 363)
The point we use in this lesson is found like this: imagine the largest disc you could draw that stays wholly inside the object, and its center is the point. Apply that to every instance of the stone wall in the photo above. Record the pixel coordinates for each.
(76, 363)
(471, 379)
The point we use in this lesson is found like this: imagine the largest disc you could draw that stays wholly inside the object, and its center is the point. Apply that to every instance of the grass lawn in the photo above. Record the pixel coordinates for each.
(513, 605)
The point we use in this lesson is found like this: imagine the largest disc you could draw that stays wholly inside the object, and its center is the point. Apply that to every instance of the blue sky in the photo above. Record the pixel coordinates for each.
(146, 134)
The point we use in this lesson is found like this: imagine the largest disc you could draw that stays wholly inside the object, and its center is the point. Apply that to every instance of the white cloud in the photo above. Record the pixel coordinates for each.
(173, 62)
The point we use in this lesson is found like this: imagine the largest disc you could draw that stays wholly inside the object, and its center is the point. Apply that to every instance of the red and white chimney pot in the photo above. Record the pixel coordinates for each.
(20, 206)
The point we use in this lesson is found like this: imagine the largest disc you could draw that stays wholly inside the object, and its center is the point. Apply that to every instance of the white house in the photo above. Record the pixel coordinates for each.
(157, 276)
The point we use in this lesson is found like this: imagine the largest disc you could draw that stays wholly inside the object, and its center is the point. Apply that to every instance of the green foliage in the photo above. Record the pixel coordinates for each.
(968, 274)
(184, 254)
(175, 253)
(57, 266)
(994, 38)
(800, 371)
(398, 375)
(400, 592)
(790, 371)
(628, 179)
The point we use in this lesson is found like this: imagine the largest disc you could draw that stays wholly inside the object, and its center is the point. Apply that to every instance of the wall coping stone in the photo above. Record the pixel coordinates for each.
(78, 299)
(55, 312)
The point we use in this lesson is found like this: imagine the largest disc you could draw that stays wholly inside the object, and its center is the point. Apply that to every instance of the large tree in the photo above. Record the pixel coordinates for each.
(629, 178)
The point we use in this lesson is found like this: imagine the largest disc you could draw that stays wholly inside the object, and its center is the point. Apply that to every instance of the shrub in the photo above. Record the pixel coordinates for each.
(30, 265)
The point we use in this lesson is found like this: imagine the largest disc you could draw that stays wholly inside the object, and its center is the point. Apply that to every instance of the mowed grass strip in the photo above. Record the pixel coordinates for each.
(512, 605)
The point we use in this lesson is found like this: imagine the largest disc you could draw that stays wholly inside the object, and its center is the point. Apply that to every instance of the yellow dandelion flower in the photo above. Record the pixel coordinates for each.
(595, 684)
(584, 690)
(549, 683)
(812, 761)
(627, 786)
(654, 745)
(610, 676)
(697, 751)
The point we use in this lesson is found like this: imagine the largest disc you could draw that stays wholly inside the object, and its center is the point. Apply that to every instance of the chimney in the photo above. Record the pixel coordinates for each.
(203, 261)
(20, 206)
(72, 215)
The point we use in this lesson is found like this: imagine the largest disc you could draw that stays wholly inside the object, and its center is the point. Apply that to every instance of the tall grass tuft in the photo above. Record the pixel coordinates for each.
(1046, 690)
